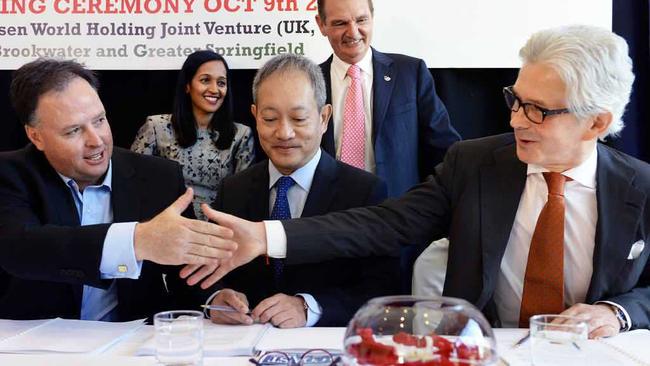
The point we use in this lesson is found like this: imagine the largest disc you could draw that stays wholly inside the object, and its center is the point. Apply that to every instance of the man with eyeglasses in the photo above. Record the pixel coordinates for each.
(542, 220)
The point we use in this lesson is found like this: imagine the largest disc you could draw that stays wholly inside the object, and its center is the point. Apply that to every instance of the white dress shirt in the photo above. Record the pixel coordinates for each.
(340, 83)
(581, 216)
(297, 196)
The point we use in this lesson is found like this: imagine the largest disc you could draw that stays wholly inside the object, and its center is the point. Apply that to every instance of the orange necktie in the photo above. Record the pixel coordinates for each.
(544, 280)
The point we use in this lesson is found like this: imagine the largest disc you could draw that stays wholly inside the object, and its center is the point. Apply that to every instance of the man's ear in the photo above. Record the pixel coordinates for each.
(599, 125)
(34, 135)
(254, 110)
(325, 114)
(321, 24)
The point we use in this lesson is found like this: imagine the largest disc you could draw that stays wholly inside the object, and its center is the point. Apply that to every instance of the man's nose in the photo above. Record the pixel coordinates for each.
(285, 130)
(353, 30)
(93, 138)
(518, 120)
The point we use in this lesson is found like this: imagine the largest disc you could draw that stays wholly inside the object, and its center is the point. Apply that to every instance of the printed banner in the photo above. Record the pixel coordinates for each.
(159, 34)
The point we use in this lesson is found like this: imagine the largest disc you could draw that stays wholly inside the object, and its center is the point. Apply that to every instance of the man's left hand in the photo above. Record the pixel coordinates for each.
(602, 319)
(282, 310)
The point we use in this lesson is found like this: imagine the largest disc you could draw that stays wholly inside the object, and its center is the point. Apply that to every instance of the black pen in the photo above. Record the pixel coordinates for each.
(522, 340)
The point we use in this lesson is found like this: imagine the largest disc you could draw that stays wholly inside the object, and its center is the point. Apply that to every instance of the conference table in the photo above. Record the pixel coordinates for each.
(123, 353)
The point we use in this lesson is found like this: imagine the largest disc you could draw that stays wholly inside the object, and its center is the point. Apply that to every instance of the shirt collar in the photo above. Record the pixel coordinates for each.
(585, 173)
(340, 67)
(303, 176)
(107, 182)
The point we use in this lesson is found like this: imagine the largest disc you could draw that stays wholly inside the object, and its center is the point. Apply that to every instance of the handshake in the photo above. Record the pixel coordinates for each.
(209, 250)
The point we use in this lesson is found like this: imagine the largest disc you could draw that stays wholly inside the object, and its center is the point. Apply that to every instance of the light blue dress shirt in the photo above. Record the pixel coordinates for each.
(297, 196)
(118, 254)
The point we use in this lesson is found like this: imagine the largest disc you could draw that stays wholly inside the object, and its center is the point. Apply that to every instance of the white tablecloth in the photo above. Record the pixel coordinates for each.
(123, 352)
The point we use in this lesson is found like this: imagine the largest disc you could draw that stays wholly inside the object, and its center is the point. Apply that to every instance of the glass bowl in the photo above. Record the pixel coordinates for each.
(419, 331)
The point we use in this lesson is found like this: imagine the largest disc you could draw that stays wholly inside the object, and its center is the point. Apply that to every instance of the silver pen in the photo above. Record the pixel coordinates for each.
(225, 308)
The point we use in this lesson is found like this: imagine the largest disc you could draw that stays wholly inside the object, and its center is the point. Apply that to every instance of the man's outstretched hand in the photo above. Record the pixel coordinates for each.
(251, 243)
(170, 238)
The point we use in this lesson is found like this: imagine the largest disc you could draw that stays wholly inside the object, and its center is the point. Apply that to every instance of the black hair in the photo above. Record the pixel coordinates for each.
(183, 120)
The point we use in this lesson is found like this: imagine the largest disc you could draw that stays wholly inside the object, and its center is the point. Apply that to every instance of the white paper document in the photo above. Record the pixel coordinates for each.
(330, 339)
(63, 335)
(630, 348)
(221, 340)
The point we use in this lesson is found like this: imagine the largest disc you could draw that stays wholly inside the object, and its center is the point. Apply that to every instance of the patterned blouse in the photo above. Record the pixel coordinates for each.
(204, 166)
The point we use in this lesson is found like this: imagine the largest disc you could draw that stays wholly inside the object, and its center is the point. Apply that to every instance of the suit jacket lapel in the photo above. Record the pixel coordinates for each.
(258, 198)
(328, 137)
(619, 212)
(321, 193)
(501, 187)
(57, 192)
(382, 89)
(124, 190)
(59, 196)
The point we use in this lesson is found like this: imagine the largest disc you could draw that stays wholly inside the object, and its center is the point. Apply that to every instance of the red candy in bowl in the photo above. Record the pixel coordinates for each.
(419, 331)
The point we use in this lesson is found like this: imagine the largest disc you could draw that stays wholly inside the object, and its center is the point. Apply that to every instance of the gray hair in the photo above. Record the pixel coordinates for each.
(290, 62)
(593, 63)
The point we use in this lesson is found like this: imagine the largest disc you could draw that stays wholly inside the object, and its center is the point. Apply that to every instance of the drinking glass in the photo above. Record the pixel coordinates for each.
(179, 337)
(558, 340)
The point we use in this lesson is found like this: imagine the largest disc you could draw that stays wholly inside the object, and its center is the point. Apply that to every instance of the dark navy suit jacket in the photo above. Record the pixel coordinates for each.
(410, 128)
(47, 257)
(472, 199)
(340, 286)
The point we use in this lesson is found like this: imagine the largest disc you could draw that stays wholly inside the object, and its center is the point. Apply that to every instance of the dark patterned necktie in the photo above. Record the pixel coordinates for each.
(281, 211)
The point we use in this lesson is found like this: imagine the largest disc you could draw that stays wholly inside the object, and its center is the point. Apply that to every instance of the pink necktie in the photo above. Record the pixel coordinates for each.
(353, 145)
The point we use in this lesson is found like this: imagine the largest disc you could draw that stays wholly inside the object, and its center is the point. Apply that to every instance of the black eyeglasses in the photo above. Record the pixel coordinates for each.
(312, 357)
(534, 113)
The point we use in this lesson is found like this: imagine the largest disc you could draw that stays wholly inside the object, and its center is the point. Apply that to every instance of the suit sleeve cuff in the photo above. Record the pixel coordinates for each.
(628, 320)
(314, 310)
(118, 254)
(276, 239)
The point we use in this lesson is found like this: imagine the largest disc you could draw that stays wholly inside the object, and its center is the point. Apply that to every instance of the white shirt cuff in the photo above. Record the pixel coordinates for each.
(628, 321)
(276, 239)
(118, 254)
(314, 310)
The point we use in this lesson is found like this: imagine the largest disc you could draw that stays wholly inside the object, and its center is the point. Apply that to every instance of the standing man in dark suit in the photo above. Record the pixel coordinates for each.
(291, 115)
(87, 230)
(398, 127)
(498, 198)
(387, 118)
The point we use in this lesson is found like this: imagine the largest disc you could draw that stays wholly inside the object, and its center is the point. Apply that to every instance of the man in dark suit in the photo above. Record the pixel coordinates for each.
(74, 239)
(291, 117)
(499, 197)
(406, 125)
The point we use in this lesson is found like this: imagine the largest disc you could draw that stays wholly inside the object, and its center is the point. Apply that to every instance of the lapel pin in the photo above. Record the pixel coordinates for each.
(386, 77)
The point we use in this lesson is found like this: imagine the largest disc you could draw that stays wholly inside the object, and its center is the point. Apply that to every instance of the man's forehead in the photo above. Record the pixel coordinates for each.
(539, 82)
(342, 8)
(76, 99)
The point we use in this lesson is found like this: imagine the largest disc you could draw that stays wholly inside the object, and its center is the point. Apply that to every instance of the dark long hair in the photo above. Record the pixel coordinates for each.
(183, 120)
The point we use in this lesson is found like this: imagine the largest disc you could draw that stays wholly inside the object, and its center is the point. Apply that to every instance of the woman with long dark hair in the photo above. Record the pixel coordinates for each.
(200, 133)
